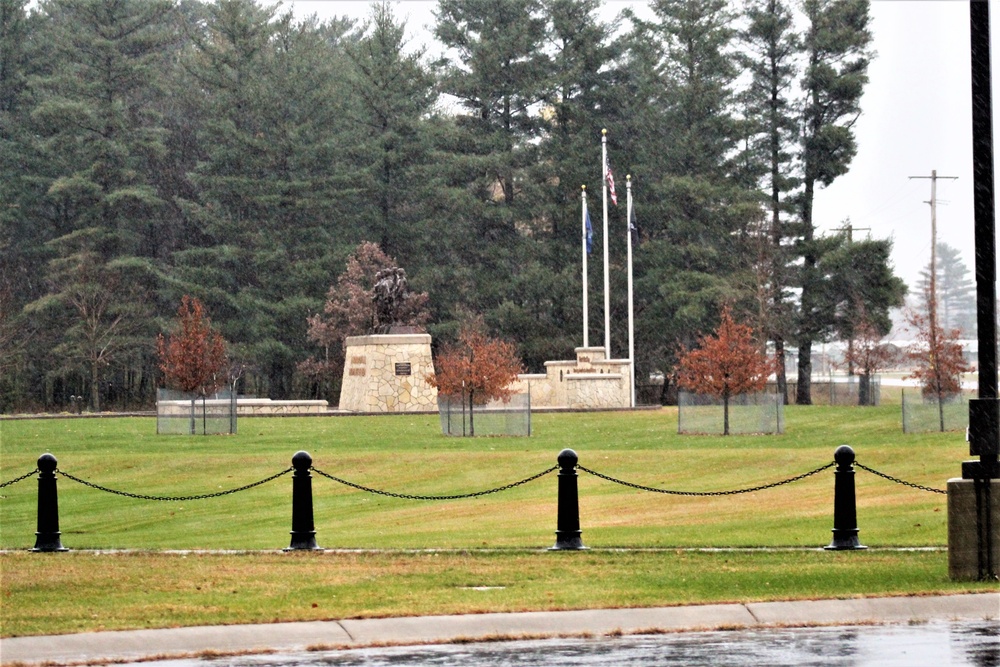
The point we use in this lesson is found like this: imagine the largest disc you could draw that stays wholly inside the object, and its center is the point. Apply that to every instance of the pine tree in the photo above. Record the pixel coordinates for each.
(95, 311)
(956, 293)
(272, 188)
(836, 42)
(695, 210)
(392, 92)
(92, 143)
(772, 47)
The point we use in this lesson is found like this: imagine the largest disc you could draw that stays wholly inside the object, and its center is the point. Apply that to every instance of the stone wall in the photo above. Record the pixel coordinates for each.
(387, 373)
(591, 381)
(245, 407)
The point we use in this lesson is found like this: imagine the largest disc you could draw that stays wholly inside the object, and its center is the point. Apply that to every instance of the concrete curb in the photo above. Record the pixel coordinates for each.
(162, 644)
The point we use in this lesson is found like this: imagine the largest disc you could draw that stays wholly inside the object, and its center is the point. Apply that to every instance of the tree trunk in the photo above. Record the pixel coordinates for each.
(725, 414)
(803, 390)
(95, 388)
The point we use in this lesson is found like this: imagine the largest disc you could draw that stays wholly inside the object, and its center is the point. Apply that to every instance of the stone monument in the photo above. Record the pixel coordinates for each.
(386, 370)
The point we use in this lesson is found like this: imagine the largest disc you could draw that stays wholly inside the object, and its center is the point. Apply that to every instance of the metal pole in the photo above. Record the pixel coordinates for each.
(631, 320)
(586, 311)
(984, 413)
(607, 279)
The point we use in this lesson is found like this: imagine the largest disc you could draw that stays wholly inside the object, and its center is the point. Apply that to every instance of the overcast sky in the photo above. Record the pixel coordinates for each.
(916, 118)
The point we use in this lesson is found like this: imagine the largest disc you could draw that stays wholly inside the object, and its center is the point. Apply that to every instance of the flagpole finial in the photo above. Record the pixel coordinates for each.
(628, 177)
(604, 131)
(583, 187)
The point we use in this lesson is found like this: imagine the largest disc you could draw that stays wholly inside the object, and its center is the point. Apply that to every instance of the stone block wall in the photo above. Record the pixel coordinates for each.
(591, 381)
(387, 373)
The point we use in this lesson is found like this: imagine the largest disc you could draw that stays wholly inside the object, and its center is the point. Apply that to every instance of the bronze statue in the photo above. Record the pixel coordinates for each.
(388, 295)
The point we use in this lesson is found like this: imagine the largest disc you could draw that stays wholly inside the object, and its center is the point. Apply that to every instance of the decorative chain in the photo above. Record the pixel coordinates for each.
(455, 497)
(898, 481)
(19, 479)
(707, 493)
(138, 496)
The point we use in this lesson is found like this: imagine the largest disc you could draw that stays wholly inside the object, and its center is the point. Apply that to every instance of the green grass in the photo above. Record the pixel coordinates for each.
(407, 454)
(495, 540)
(77, 592)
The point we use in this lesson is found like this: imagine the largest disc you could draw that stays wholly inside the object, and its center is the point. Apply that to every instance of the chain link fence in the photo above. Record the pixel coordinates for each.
(926, 414)
(748, 414)
(179, 413)
(850, 390)
(495, 418)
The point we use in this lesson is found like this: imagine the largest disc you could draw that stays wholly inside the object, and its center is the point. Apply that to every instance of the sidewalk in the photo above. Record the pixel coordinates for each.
(179, 642)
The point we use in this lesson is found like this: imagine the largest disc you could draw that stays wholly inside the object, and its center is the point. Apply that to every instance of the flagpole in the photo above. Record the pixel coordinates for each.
(631, 325)
(583, 246)
(607, 281)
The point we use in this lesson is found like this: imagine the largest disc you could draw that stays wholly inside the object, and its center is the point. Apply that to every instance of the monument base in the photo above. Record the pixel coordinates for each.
(973, 529)
(388, 373)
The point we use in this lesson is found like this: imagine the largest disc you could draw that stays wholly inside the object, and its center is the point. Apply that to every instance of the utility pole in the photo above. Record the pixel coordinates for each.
(849, 228)
(932, 297)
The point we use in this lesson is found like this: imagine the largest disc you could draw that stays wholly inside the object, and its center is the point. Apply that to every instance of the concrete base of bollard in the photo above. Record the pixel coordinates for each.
(973, 545)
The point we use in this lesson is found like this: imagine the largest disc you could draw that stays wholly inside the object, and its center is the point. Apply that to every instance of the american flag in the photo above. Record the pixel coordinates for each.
(611, 186)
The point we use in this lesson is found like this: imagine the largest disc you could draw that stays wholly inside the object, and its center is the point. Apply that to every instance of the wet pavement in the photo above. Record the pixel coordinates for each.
(933, 644)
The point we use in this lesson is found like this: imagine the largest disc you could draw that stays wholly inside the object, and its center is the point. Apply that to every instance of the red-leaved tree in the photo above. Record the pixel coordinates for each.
(193, 358)
(350, 311)
(726, 364)
(939, 360)
(478, 368)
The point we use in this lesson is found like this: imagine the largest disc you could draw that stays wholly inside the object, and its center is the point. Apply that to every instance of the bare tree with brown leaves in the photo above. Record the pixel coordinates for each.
(478, 368)
(940, 363)
(726, 364)
(350, 311)
(193, 358)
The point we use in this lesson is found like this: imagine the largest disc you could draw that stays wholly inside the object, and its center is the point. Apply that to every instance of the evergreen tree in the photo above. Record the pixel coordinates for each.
(956, 293)
(270, 189)
(772, 46)
(860, 287)
(97, 308)
(836, 42)
(695, 210)
(499, 72)
(89, 167)
(392, 93)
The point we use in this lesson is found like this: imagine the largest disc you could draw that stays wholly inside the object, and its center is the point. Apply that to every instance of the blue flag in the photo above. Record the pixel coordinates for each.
(590, 235)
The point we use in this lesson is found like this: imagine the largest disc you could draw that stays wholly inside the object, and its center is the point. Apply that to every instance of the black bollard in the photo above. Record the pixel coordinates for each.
(303, 529)
(845, 508)
(568, 518)
(47, 537)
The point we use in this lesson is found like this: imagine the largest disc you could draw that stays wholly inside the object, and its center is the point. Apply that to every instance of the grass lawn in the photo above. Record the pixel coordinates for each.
(496, 541)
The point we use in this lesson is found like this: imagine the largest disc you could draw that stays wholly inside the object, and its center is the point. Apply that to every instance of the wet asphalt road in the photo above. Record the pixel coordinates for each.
(937, 644)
